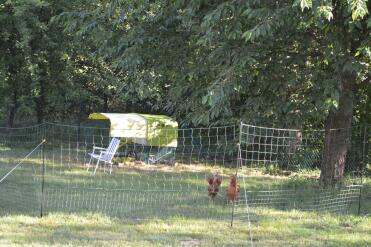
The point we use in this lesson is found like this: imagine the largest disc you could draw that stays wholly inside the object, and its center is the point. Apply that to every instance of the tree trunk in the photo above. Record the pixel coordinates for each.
(105, 100)
(40, 100)
(13, 108)
(13, 70)
(338, 133)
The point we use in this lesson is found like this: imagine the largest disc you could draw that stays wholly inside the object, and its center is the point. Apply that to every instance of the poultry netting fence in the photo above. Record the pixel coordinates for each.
(294, 160)
(275, 168)
(147, 181)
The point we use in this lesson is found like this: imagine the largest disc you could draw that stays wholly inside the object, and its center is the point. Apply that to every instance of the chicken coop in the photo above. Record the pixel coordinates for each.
(149, 138)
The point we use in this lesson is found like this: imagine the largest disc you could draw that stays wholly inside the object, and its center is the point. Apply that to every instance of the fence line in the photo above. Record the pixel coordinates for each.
(176, 182)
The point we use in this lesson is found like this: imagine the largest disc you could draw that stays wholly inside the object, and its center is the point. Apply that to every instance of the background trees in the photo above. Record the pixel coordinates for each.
(297, 64)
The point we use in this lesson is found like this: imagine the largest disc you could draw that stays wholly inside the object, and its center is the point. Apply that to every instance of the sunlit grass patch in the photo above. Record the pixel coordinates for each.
(298, 228)
(269, 228)
(98, 230)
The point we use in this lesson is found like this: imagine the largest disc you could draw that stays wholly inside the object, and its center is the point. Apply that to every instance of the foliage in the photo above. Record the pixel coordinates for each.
(224, 61)
(264, 62)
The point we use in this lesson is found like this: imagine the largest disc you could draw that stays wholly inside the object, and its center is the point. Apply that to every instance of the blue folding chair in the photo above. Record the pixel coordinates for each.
(104, 154)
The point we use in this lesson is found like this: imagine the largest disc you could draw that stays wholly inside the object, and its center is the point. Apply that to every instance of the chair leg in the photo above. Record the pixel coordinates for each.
(96, 167)
(91, 157)
(110, 169)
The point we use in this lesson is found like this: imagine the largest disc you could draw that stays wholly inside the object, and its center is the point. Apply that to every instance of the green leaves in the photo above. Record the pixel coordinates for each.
(264, 21)
(304, 4)
(325, 11)
(359, 9)
(258, 31)
(203, 62)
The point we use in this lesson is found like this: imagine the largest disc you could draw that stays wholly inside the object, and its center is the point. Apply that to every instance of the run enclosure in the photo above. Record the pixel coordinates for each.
(276, 168)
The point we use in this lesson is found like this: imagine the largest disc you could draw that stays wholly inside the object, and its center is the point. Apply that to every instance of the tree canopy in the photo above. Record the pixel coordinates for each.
(280, 63)
(298, 64)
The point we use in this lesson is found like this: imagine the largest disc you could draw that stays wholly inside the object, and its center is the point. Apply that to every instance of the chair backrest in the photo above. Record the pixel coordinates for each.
(112, 148)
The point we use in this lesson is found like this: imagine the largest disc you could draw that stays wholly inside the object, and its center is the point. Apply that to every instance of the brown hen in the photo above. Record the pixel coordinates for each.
(214, 181)
(233, 190)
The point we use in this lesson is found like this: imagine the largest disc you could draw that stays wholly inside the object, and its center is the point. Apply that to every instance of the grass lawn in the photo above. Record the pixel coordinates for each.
(154, 205)
(274, 228)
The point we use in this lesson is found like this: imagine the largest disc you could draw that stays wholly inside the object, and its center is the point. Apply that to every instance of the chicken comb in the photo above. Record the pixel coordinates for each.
(233, 179)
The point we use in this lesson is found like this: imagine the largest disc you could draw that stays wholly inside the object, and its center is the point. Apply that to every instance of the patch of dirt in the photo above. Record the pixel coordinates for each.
(139, 166)
(177, 168)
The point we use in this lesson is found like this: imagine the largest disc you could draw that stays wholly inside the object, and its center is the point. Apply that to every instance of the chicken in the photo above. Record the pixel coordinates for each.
(214, 181)
(233, 190)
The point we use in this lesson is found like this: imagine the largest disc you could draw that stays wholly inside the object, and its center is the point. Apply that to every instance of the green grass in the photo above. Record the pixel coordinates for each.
(142, 205)
(296, 228)
(269, 228)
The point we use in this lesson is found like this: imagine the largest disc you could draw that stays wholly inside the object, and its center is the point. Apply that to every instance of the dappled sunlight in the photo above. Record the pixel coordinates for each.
(176, 168)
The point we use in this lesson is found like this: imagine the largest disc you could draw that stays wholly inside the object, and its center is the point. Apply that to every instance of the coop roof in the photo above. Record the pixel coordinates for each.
(146, 129)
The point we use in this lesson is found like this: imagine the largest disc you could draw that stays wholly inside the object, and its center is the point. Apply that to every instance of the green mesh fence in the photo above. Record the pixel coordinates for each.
(290, 160)
(171, 184)
(21, 180)
(276, 168)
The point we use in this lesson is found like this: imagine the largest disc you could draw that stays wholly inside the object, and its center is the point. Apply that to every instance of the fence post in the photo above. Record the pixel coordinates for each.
(239, 163)
(364, 142)
(43, 172)
(234, 202)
